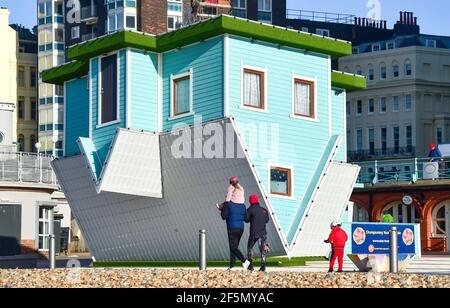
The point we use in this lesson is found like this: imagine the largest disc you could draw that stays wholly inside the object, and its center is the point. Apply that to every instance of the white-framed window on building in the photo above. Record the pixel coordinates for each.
(349, 140)
(359, 140)
(431, 43)
(108, 105)
(358, 70)
(174, 22)
(408, 68)
(371, 106)
(323, 32)
(371, 135)
(130, 21)
(239, 8)
(395, 70)
(408, 102)
(253, 92)
(439, 135)
(348, 108)
(304, 98)
(376, 47)
(383, 105)
(383, 133)
(370, 73)
(359, 107)
(395, 104)
(181, 98)
(396, 139)
(45, 221)
(281, 181)
(409, 138)
(383, 71)
(390, 45)
(21, 76)
(265, 11)
(75, 32)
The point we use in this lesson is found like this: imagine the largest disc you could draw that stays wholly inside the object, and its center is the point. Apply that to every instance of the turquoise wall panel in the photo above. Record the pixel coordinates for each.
(338, 121)
(102, 136)
(206, 61)
(291, 142)
(144, 90)
(77, 114)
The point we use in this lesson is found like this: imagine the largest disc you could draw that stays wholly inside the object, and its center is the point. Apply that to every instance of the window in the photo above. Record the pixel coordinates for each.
(21, 108)
(408, 138)
(59, 9)
(371, 74)
(440, 220)
(390, 45)
(355, 50)
(32, 77)
(349, 140)
(239, 8)
(408, 102)
(439, 135)
(45, 220)
(33, 106)
(359, 140)
(75, 32)
(323, 32)
(358, 70)
(130, 22)
(108, 93)
(21, 142)
(383, 105)
(383, 73)
(304, 98)
(119, 20)
(33, 143)
(182, 96)
(383, 140)
(396, 138)
(348, 109)
(21, 76)
(359, 107)
(280, 181)
(371, 141)
(305, 29)
(408, 68)
(395, 70)
(431, 43)
(59, 35)
(49, 7)
(395, 104)
(371, 106)
(174, 22)
(254, 89)
(111, 23)
(265, 10)
(376, 47)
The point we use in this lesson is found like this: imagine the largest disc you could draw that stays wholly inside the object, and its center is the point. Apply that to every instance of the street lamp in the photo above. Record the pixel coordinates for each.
(55, 140)
(38, 147)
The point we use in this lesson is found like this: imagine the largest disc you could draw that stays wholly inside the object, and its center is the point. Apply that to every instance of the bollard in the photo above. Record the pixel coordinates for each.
(202, 250)
(393, 253)
(51, 251)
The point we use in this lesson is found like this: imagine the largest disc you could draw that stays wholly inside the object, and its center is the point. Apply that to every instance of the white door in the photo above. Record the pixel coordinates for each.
(441, 221)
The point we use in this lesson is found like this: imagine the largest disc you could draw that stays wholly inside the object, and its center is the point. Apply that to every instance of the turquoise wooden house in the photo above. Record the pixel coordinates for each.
(155, 125)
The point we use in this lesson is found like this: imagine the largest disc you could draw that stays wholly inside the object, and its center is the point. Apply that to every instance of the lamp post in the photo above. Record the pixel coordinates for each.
(38, 146)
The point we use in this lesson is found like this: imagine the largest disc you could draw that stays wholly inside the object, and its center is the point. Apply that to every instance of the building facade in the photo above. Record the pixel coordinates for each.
(157, 91)
(407, 102)
(27, 106)
(50, 97)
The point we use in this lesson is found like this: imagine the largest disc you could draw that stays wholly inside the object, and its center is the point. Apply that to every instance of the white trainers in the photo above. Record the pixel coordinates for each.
(245, 265)
(232, 269)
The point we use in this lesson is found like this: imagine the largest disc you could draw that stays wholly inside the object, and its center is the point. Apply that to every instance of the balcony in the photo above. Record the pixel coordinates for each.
(89, 14)
(409, 170)
(25, 167)
(320, 16)
(89, 36)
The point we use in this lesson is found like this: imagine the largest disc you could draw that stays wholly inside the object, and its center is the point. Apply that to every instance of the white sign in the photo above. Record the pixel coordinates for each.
(407, 200)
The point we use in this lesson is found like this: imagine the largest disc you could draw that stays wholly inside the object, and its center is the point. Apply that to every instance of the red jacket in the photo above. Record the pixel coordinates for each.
(338, 238)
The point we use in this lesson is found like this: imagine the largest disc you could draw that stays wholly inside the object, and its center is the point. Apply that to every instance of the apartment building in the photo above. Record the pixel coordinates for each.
(27, 107)
(50, 97)
(407, 102)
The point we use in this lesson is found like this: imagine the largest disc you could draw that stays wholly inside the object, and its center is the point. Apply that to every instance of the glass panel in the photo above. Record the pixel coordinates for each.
(120, 21)
(303, 99)
(131, 22)
(182, 92)
(252, 89)
(279, 181)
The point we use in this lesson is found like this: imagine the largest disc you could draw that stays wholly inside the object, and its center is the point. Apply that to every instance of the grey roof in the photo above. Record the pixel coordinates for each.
(126, 227)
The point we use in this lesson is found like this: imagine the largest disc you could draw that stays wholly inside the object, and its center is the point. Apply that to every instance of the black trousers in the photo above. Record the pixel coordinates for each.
(261, 240)
(234, 238)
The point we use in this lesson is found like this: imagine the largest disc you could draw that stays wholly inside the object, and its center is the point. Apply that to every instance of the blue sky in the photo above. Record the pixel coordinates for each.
(433, 14)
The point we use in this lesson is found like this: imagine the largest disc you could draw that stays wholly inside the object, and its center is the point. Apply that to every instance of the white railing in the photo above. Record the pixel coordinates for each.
(26, 168)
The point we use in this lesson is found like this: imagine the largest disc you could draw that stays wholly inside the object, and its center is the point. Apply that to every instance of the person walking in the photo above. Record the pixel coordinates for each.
(258, 217)
(337, 239)
(234, 211)
(435, 154)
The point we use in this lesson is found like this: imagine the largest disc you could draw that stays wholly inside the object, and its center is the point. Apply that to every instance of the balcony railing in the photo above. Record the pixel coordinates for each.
(26, 168)
(320, 16)
(399, 152)
(89, 36)
(403, 170)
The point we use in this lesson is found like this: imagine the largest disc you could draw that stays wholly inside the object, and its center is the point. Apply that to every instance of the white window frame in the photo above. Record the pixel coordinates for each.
(290, 167)
(314, 103)
(190, 74)
(385, 104)
(434, 220)
(359, 114)
(45, 236)
(433, 45)
(398, 103)
(259, 69)
(125, 21)
(368, 106)
(99, 99)
(387, 45)
(239, 7)
(411, 105)
(356, 139)
(376, 45)
(321, 31)
(77, 36)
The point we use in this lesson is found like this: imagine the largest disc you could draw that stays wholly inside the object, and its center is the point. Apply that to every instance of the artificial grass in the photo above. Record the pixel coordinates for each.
(271, 262)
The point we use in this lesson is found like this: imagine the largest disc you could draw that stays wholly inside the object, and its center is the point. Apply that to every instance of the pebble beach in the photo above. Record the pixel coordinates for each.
(178, 278)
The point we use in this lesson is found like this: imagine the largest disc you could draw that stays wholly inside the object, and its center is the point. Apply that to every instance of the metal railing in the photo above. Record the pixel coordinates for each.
(87, 37)
(394, 153)
(401, 170)
(26, 168)
(320, 16)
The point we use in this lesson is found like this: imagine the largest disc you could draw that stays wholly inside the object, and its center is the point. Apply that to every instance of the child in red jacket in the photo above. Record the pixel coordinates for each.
(337, 239)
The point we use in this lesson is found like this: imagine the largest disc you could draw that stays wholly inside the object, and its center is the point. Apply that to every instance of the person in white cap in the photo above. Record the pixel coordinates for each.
(337, 239)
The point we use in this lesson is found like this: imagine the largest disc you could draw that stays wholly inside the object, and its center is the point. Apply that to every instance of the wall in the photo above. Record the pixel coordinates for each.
(77, 114)
(301, 142)
(206, 61)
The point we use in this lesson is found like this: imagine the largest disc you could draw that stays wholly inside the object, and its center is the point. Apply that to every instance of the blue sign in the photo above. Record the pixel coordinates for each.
(374, 238)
